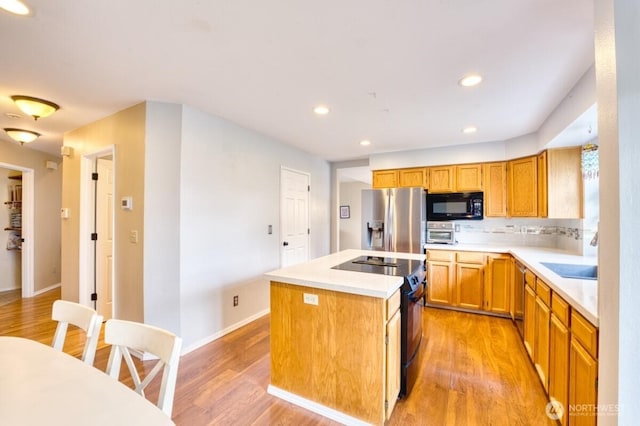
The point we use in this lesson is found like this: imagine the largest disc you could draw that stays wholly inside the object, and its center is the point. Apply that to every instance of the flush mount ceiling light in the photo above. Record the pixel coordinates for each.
(321, 110)
(470, 80)
(21, 135)
(470, 129)
(35, 107)
(15, 6)
(365, 142)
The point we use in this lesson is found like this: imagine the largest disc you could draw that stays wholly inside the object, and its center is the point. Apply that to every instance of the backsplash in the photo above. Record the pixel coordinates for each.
(565, 234)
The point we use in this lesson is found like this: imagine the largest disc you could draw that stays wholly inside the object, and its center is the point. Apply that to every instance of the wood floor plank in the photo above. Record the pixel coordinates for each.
(475, 372)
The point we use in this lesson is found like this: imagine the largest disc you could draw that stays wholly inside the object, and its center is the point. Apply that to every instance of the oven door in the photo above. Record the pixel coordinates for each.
(411, 338)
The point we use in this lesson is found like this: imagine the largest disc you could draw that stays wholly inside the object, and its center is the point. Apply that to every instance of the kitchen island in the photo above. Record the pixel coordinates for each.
(329, 334)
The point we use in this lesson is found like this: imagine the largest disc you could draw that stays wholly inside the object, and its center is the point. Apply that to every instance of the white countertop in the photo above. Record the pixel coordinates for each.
(317, 273)
(581, 294)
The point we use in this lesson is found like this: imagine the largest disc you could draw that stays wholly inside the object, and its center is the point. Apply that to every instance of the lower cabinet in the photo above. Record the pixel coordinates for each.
(393, 363)
(469, 280)
(529, 319)
(497, 289)
(541, 345)
(563, 347)
(559, 342)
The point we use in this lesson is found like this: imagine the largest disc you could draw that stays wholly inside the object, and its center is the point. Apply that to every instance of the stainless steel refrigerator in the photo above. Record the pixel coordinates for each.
(394, 219)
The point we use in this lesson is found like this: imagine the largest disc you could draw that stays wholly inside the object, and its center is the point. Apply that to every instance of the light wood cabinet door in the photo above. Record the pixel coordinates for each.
(583, 377)
(497, 293)
(415, 177)
(529, 319)
(469, 177)
(542, 185)
(523, 190)
(469, 286)
(541, 349)
(564, 183)
(385, 179)
(495, 189)
(393, 363)
(559, 344)
(442, 179)
(440, 278)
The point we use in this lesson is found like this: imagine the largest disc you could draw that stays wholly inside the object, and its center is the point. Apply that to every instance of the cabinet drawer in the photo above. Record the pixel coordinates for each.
(543, 291)
(560, 308)
(530, 279)
(585, 333)
(470, 257)
(393, 304)
(440, 255)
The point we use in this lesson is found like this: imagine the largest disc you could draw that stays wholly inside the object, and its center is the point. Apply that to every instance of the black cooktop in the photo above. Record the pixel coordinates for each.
(381, 265)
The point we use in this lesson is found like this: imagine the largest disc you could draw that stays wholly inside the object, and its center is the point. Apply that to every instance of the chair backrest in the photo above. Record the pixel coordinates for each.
(125, 336)
(81, 316)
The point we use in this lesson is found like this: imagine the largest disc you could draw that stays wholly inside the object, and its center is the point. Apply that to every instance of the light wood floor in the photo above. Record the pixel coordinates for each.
(475, 372)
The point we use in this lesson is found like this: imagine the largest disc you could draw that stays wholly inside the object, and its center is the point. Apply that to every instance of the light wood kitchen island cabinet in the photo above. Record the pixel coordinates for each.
(336, 337)
(334, 353)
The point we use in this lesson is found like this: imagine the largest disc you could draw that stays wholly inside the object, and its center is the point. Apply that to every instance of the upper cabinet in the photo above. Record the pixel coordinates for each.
(460, 178)
(545, 185)
(385, 179)
(495, 189)
(415, 177)
(469, 177)
(562, 183)
(442, 179)
(523, 187)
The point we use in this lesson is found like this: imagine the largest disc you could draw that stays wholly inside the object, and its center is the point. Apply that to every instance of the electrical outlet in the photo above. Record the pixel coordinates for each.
(235, 301)
(310, 299)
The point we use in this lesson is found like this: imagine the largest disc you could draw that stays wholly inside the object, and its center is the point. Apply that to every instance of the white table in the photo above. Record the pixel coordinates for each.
(41, 386)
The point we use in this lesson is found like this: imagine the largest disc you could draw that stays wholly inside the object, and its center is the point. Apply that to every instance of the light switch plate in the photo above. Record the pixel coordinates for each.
(311, 299)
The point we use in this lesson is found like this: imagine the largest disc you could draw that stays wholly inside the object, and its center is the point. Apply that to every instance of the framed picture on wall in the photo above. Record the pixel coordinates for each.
(344, 212)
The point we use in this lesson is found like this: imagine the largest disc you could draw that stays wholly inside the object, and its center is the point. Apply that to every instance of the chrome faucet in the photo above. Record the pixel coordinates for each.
(594, 240)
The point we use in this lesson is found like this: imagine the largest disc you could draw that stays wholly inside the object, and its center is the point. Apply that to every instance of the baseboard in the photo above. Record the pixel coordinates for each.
(223, 332)
(46, 289)
(323, 410)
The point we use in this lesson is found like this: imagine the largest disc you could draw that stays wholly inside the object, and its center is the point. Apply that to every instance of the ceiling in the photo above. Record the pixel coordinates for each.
(388, 70)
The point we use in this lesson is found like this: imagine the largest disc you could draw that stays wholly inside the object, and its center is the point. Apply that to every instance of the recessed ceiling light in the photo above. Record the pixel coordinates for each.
(470, 80)
(321, 110)
(470, 129)
(15, 6)
(365, 142)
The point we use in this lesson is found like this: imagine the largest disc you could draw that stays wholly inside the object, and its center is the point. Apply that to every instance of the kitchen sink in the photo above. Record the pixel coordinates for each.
(568, 270)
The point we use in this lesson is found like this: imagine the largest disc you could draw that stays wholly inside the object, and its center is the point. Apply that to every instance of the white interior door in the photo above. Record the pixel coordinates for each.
(104, 247)
(294, 217)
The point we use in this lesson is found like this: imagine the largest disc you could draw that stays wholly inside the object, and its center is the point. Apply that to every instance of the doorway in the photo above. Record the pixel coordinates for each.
(96, 284)
(26, 227)
(294, 217)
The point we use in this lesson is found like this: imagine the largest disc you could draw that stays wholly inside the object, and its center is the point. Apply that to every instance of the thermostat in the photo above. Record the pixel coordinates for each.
(126, 203)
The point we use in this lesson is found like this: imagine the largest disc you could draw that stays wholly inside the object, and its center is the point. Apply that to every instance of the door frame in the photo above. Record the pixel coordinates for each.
(28, 228)
(86, 260)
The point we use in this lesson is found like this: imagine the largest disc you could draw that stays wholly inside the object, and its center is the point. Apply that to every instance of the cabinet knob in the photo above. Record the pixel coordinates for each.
(286, 243)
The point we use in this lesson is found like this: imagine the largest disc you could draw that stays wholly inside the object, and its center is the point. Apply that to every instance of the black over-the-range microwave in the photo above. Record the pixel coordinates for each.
(455, 206)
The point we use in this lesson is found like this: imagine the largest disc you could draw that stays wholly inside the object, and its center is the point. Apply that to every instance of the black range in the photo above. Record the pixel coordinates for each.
(411, 302)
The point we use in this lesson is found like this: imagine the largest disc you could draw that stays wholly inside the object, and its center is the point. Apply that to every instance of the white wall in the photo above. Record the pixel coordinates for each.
(351, 228)
(162, 215)
(229, 194)
(618, 88)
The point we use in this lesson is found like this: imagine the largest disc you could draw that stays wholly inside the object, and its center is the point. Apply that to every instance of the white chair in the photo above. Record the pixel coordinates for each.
(125, 336)
(81, 316)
